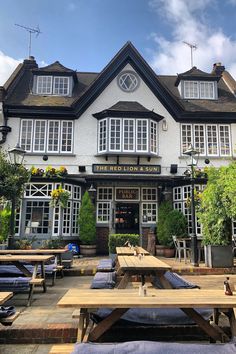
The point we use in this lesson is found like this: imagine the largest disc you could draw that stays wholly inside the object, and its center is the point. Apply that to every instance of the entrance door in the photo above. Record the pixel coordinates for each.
(127, 218)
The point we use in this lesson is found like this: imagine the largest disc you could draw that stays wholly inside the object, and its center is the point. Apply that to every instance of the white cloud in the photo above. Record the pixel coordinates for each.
(7, 66)
(188, 23)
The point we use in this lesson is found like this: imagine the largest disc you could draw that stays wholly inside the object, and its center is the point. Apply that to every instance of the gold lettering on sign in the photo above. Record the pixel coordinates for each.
(145, 169)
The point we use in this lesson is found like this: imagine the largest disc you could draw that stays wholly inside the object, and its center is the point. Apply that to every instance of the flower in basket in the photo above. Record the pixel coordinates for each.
(61, 171)
(50, 171)
(35, 171)
(59, 197)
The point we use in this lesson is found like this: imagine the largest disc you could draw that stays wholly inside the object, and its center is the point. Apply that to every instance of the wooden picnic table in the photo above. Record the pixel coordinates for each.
(57, 252)
(129, 251)
(122, 300)
(4, 296)
(35, 260)
(141, 266)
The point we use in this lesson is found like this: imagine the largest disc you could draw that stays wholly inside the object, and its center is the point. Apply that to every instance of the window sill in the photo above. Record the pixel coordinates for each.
(49, 154)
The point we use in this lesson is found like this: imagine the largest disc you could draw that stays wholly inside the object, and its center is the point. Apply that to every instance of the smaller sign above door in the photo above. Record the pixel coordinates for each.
(127, 193)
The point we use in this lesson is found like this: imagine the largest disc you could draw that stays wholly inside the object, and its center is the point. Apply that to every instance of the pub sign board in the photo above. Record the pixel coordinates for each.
(127, 193)
(139, 169)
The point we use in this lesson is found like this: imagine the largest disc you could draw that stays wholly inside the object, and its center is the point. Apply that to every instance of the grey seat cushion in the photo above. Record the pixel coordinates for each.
(149, 347)
(5, 270)
(153, 316)
(14, 284)
(6, 311)
(176, 281)
(103, 280)
(105, 265)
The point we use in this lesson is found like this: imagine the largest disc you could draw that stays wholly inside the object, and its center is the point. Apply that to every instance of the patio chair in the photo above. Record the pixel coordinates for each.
(181, 249)
(234, 245)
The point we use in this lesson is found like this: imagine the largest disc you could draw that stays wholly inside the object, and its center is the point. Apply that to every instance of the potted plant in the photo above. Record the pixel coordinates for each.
(217, 208)
(87, 226)
(5, 215)
(170, 222)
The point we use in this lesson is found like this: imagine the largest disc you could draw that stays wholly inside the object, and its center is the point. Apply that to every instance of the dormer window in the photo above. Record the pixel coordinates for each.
(199, 90)
(52, 85)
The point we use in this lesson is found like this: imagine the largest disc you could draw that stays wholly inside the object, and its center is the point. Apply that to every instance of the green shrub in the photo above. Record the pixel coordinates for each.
(162, 233)
(118, 240)
(170, 222)
(5, 216)
(87, 221)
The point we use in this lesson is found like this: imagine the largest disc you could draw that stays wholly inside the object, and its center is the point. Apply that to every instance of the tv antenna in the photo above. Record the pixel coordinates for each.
(30, 30)
(192, 47)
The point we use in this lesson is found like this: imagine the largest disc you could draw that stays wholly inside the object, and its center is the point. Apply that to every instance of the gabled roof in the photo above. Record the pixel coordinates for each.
(196, 74)
(128, 109)
(127, 55)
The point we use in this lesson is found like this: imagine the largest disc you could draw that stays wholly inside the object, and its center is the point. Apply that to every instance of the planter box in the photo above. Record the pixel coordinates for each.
(88, 251)
(218, 256)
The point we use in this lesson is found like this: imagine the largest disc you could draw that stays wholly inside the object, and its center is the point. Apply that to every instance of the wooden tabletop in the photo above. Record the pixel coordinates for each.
(146, 262)
(130, 251)
(25, 257)
(35, 251)
(165, 298)
(4, 296)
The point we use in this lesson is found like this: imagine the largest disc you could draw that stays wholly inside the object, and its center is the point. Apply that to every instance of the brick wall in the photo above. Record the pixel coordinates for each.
(102, 240)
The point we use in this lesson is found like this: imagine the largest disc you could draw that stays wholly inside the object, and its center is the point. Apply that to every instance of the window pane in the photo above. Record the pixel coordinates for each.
(199, 139)
(37, 217)
(224, 140)
(44, 85)
(61, 86)
(186, 134)
(115, 134)
(103, 135)
(39, 135)
(150, 210)
(103, 212)
(153, 132)
(207, 90)
(53, 136)
(128, 135)
(66, 136)
(26, 134)
(142, 135)
(212, 141)
(105, 193)
(149, 194)
(191, 89)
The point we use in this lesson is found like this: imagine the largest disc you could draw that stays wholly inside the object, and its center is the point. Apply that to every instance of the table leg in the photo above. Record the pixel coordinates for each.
(124, 281)
(105, 324)
(43, 276)
(212, 331)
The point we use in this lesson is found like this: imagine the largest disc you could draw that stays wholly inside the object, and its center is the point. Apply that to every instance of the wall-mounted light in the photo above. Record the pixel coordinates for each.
(164, 125)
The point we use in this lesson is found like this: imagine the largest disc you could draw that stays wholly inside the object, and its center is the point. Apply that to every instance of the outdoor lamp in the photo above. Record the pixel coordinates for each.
(16, 155)
(191, 152)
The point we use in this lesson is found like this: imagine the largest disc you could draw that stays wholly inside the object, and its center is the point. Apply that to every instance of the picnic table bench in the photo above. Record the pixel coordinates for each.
(120, 301)
(7, 321)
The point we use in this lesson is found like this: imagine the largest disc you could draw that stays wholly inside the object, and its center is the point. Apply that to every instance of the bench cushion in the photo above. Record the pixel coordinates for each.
(5, 270)
(176, 281)
(14, 284)
(149, 347)
(105, 265)
(6, 311)
(104, 280)
(153, 316)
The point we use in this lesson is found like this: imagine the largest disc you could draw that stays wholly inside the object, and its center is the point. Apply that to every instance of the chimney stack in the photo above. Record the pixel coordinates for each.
(218, 69)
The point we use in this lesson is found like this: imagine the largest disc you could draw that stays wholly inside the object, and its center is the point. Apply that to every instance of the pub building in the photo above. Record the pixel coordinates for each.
(121, 134)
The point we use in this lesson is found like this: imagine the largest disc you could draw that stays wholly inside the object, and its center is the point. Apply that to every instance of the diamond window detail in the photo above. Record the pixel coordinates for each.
(128, 81)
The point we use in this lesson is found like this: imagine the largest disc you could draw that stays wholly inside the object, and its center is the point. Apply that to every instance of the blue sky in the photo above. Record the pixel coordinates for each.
(85, 34)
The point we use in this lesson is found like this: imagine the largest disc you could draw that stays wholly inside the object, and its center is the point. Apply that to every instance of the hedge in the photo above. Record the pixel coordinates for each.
(118, 240)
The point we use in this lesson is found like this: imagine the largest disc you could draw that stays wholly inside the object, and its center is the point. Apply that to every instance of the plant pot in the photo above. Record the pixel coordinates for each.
(88, 250)
(160, 250)
(218, 256)
(3, 246)
(169, 252)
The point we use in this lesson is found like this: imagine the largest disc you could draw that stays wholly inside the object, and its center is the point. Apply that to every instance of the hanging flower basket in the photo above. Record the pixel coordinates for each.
(59, 197)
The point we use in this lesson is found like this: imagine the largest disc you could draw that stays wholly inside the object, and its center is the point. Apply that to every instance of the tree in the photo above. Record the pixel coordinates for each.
(218, 205)
(87, 221)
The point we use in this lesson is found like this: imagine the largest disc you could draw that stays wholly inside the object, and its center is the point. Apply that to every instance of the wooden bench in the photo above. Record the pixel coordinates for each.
(62, 348)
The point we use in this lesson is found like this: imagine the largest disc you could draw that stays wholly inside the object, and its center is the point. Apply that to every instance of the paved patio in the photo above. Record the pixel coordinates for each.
(44, 323)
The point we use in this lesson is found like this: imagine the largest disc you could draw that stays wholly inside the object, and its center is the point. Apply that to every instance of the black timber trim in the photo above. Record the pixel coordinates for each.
(207, 117)
(33, 111)
(128, 55)
(128, 114)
